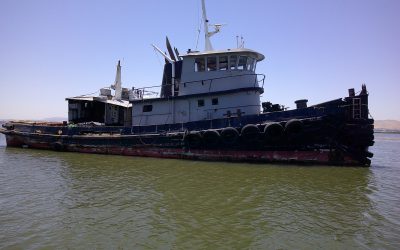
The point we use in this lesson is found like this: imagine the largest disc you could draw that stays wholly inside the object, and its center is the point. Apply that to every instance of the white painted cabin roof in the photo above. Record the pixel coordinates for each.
(122, 103)
(259, 56)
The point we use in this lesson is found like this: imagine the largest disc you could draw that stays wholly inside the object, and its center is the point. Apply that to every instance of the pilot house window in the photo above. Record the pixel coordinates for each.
(211, 63)
(199, 64)
(232, 64)
(223, 63)
(242, 62)
(250, 64)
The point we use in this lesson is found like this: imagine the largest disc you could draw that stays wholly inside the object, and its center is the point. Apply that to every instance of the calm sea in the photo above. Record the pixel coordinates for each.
(82, 201)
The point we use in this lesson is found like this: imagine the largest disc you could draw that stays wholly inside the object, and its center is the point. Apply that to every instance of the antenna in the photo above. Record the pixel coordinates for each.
(207, 34)
(241, 44)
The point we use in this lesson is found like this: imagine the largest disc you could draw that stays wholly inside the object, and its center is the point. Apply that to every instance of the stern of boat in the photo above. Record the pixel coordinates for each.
(357, 133)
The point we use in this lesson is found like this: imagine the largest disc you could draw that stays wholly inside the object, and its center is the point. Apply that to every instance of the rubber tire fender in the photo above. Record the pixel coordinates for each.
(294, 131)
(211, 138)
(229, 136)
(294, 127)
(273, 132)
(58, 146)
(250, 133)
(193, 140)
(8, 126)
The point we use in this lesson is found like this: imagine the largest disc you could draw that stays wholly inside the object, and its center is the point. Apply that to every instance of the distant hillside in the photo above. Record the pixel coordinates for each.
(55, 119)
(50, 119)
(387, 125)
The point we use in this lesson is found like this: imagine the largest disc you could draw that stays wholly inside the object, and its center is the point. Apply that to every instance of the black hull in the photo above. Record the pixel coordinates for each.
(327, 133)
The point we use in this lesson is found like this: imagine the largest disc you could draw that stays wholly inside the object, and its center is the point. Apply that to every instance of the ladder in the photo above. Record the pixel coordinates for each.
(356, 108)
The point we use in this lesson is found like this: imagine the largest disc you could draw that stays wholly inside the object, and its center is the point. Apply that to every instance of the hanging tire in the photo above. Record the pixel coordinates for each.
(58, 146)
(294, 126)
(229, 136)
(294, 130)
(369, 154)
(8, 126)
(193, 140)
(273, 132)
(250, 133)
(211, 138)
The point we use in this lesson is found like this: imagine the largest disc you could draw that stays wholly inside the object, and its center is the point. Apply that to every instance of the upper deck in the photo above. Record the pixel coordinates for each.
(207, 72)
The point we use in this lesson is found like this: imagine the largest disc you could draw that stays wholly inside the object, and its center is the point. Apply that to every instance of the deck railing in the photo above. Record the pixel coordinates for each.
(149, 92)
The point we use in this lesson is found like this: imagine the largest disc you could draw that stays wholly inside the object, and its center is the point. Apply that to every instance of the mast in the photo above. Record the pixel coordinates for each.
(117, 83)
(208, 45)
(207, 34)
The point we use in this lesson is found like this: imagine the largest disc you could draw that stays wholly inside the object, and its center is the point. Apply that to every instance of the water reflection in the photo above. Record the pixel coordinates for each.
(112, 201)
(2, 140)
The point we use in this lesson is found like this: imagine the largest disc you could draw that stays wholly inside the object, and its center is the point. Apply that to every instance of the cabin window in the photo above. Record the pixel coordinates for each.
(147, 108)
(214, 101)
(199, 64)
(223, 63)
(242, 62)
(200, 103)
(211, 63)
(250, 63)
(233, 61)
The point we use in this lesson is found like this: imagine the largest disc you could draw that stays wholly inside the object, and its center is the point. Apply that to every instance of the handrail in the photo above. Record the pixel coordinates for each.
(143, 91)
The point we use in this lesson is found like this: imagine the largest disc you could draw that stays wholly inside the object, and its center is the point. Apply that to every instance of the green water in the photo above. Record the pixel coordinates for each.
(82, 201)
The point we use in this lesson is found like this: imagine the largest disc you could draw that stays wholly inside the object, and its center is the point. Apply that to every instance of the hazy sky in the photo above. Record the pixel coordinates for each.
(315, 49)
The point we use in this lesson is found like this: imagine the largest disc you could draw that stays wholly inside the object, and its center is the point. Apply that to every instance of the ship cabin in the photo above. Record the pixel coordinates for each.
(106, 109)
(102, 109)
(201, 86)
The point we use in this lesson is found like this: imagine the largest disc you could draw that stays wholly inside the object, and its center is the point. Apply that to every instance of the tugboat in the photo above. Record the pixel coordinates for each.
(207, 108)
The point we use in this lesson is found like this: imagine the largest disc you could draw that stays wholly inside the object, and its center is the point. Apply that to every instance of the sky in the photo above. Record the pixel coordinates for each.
(314, 49)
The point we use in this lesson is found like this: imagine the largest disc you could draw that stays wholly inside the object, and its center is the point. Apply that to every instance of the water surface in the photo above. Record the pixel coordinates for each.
(80, 201)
